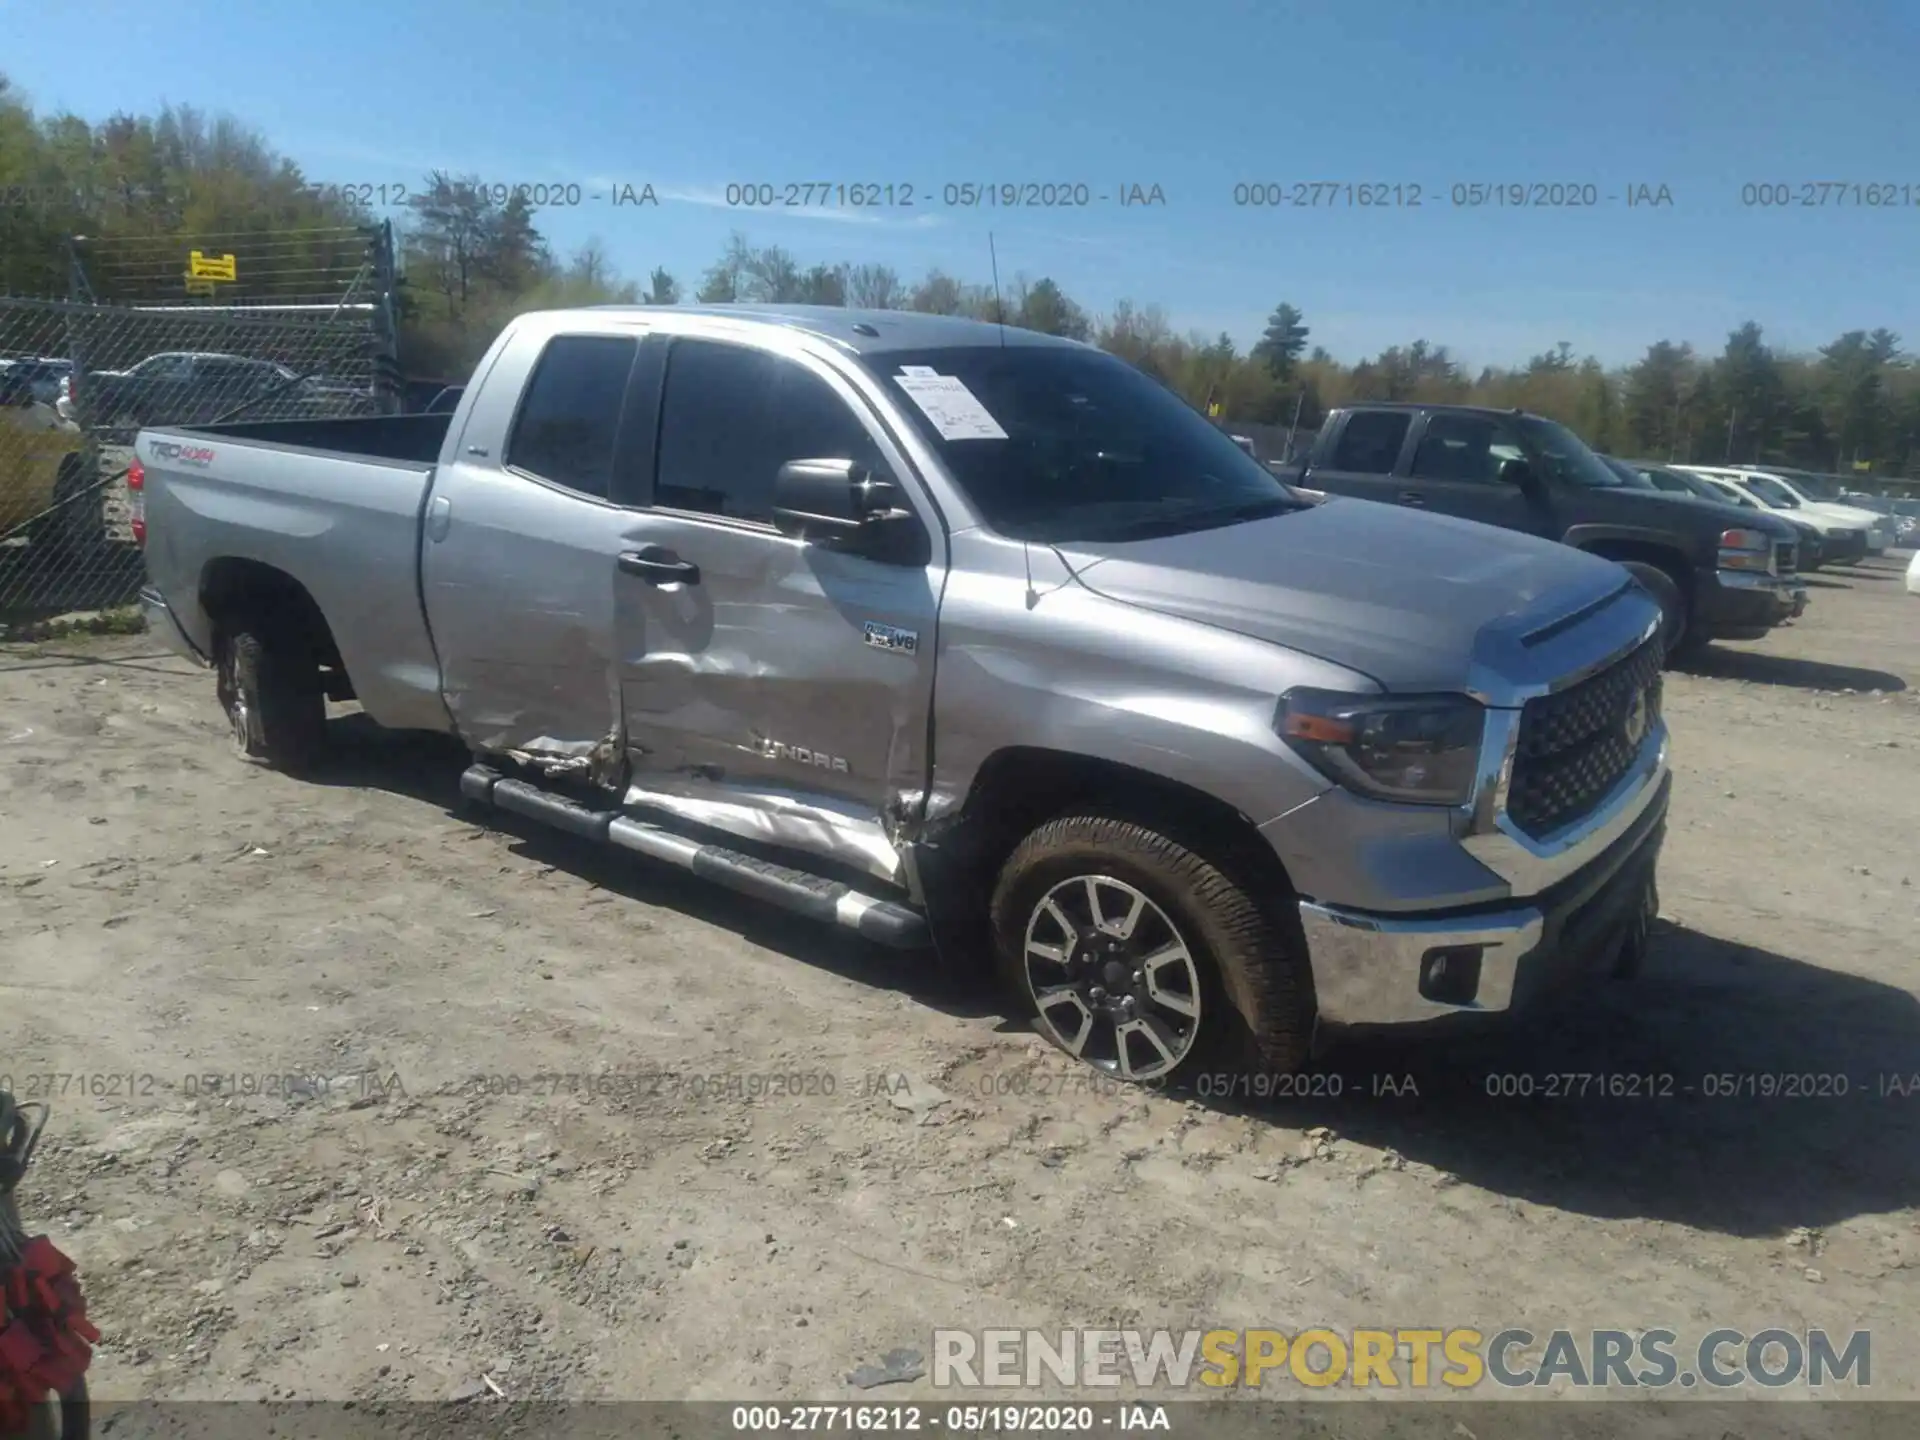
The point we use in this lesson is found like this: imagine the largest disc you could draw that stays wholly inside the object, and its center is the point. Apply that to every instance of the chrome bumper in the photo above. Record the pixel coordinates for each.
(1788, 591)
(1367, 966)
(161, 622)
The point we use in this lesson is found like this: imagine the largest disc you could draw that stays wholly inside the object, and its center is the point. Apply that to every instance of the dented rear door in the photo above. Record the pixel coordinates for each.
(523, 534)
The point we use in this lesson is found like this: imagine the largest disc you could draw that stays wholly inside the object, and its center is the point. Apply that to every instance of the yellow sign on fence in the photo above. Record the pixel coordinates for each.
(201, 266)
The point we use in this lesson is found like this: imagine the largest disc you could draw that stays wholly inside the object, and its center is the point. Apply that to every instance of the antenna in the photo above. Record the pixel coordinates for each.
(999, 305)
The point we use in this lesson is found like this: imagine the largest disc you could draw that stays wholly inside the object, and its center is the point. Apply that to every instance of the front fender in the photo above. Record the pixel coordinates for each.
(1694, 551)
(1072, 671)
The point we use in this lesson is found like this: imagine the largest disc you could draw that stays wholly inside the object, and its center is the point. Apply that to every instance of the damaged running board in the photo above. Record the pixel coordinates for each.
(884, 921)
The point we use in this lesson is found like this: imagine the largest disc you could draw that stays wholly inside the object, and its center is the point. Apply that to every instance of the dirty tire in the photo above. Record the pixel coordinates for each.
(1677, 632)
(269, 684)
(1256, 1007)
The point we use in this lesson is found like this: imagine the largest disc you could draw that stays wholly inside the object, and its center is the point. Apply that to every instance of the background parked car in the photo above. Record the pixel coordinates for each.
(1774, 487)
(34, 375)
(176, 388)
(1842, 542)
(42, 461)
(1679, 482)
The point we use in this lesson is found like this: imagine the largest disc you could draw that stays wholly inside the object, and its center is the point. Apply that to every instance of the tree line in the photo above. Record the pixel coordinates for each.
(471, 258)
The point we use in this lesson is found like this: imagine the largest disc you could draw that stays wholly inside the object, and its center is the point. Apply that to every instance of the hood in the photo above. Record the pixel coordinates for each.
(1732, 516)
(1852, 514)
(1398, 596)
(1847, 515)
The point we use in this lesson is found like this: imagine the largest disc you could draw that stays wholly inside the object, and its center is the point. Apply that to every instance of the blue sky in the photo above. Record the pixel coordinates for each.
(1195, 96)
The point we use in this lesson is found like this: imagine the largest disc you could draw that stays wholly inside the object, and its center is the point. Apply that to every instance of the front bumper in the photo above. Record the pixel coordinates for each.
(1377, 969)
(162, 622)
(1843, 547)
(1740, 604)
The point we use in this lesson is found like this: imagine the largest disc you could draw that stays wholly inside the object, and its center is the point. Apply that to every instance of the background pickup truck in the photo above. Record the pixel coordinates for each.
(953, 633)
(1717, 573)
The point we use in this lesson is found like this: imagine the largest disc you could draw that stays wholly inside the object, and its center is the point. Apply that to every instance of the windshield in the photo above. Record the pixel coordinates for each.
(1628, 475)
(1672, 481)
(1773, 492)
(1564, 456)
(1057, 443)
(1815, 487)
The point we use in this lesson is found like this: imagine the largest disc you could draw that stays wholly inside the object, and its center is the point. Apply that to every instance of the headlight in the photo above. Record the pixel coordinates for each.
(1745, 550)
(1424, 749)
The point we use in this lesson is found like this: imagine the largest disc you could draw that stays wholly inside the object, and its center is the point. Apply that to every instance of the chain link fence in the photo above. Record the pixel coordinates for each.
(161, 329)
(78, 381)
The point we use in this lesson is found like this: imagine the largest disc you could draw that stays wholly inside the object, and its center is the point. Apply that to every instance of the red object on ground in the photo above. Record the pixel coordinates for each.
(46, 1340)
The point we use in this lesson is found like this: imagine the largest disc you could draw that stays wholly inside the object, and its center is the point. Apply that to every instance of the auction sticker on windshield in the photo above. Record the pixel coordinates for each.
(956, 412)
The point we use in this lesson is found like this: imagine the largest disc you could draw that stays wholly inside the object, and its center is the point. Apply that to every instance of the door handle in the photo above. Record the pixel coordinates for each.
(439, 516)
(1412, 497)
(659, 566)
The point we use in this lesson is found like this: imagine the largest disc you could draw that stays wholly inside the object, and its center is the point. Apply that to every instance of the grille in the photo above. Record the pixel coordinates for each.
(1573, 746)
(1784, 556)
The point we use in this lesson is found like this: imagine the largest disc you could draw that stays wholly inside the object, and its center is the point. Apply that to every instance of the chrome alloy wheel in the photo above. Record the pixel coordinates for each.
(1112, 977)
(233, 698)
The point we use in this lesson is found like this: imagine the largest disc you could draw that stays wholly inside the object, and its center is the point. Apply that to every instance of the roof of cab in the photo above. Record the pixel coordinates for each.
(867, 332)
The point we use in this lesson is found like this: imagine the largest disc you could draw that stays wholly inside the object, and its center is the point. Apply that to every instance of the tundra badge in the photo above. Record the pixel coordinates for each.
(888, 637)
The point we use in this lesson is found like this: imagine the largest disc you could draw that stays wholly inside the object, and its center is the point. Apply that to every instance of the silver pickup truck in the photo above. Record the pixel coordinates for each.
(970, 640)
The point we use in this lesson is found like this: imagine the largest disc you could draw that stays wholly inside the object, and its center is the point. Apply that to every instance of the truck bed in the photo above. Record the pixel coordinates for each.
(334, 504)
(409, 439)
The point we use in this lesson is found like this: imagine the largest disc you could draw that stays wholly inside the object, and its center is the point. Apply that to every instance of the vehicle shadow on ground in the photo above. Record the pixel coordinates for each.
(1665, 1099)
(427, 767)
(160, 662)
(1764, 1098)
(1722, 663)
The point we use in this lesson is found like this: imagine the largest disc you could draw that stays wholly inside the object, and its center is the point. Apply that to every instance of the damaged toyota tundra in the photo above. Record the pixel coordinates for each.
(977, 642)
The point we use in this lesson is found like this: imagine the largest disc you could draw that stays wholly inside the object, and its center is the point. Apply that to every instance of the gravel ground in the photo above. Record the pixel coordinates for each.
(314, 1133)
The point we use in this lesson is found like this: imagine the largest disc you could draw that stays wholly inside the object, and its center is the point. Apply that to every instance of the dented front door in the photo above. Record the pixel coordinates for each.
(772, 688)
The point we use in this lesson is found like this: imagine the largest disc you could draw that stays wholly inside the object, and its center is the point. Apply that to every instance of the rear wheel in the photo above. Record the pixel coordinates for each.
(269, 683)
(78, 521)
(1145, 958)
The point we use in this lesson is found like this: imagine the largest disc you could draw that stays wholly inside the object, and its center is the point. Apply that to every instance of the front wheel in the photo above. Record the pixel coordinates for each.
(1677, 634)
(1145, 958)
(269, 684)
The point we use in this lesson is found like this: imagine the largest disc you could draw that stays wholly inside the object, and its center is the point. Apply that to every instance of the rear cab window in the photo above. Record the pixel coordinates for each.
(569, 419)
(1370, 442)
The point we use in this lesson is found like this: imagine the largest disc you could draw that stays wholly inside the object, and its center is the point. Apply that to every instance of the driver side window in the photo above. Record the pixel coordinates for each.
(732, 416)
(1468, 448)
(170, 368)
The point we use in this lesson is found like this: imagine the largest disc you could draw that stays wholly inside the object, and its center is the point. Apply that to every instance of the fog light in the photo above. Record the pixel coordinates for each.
(1451, 975)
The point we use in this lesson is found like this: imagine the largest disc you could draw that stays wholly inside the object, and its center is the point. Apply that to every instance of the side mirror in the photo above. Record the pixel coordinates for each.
(847, 505)
(1518, 472)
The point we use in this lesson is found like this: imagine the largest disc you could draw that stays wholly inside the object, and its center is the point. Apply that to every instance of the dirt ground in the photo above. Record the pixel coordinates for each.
(355, 1098)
